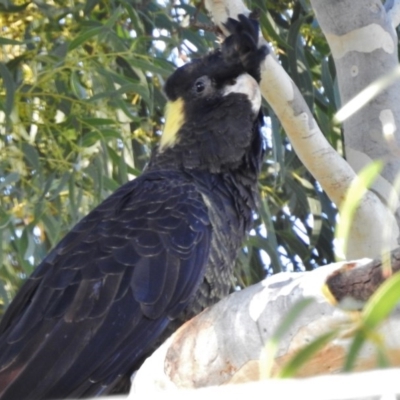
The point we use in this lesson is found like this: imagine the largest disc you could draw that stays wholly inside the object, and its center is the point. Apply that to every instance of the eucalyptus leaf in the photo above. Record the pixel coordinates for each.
(84, 37)
(31, 155)
(9, 179)
(305, 354)
(382, 302)
(8, 83)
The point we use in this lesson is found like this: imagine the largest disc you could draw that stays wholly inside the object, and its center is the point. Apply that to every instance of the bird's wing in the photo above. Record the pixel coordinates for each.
(101, 298)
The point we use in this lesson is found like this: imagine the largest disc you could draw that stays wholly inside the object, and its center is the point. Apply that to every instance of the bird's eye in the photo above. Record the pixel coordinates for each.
(200, 86)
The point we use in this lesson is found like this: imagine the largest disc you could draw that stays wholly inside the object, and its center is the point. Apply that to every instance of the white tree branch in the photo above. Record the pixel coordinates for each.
(228, 343)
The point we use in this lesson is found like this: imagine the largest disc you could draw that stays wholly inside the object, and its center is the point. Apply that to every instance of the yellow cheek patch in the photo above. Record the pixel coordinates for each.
(174, 119)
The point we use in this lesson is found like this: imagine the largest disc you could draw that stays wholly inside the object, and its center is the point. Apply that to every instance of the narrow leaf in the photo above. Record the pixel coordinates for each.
(11, 178)
(353, 351)
(353, 198)
(382, 302)
(9, 87)
(10, 41)
(31, 155)
(305, 354)
(283, 327)
(84, 36)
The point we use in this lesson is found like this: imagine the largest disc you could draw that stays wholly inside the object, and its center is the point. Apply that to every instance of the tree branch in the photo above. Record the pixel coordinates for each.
(351, 287)
(364, 48)
(230, 342)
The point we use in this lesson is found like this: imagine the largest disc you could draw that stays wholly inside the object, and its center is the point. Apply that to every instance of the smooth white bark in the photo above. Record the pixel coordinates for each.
(363, 41)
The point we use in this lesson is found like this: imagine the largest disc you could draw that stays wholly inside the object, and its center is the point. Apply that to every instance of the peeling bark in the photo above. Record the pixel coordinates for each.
(352, 287)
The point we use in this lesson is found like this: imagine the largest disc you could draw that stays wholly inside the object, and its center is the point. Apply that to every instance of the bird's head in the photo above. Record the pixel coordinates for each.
(201, 91)
(212, 113)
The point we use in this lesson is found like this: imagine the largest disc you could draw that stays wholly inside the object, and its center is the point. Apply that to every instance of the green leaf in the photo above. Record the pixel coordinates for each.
(135, 19)
(355, 347)
(95, 122)
(269, 29)
(84, 37)
(195, 39)
(73, 206)
(52, 228)
(266, 216)
(298, 62)
(9, 86)
(112, 20)
(11, 178)
(382, 302)
(126, 85)
(287, 321)
(294, 313)
(277, 145)
(30, 249)
(110, 184)
(5, 41)
(117, 159)
(327, 82)
(89, 5)
(89, 139)
(353, 198)
(152, 65)
(8, 7)
(5, 219)
(139, 89)
(126, 108)
(77, 88)
(3, 294)
(31, 155)
(305, 354)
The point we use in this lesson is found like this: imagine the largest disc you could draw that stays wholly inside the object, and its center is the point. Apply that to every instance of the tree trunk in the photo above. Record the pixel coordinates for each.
(363, 41)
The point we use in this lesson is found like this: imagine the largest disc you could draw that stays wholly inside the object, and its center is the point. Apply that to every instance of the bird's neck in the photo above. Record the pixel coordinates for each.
(236, 150)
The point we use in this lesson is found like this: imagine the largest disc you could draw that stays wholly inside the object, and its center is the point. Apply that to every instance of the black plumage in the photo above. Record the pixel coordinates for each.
(156, 252)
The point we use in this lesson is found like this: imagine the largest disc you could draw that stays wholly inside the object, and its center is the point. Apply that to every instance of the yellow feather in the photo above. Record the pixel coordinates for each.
(329, 295)
(174, 119)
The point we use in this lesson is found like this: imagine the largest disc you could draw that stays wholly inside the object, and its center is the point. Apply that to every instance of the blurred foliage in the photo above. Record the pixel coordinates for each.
(81, 105)
(380, 305)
